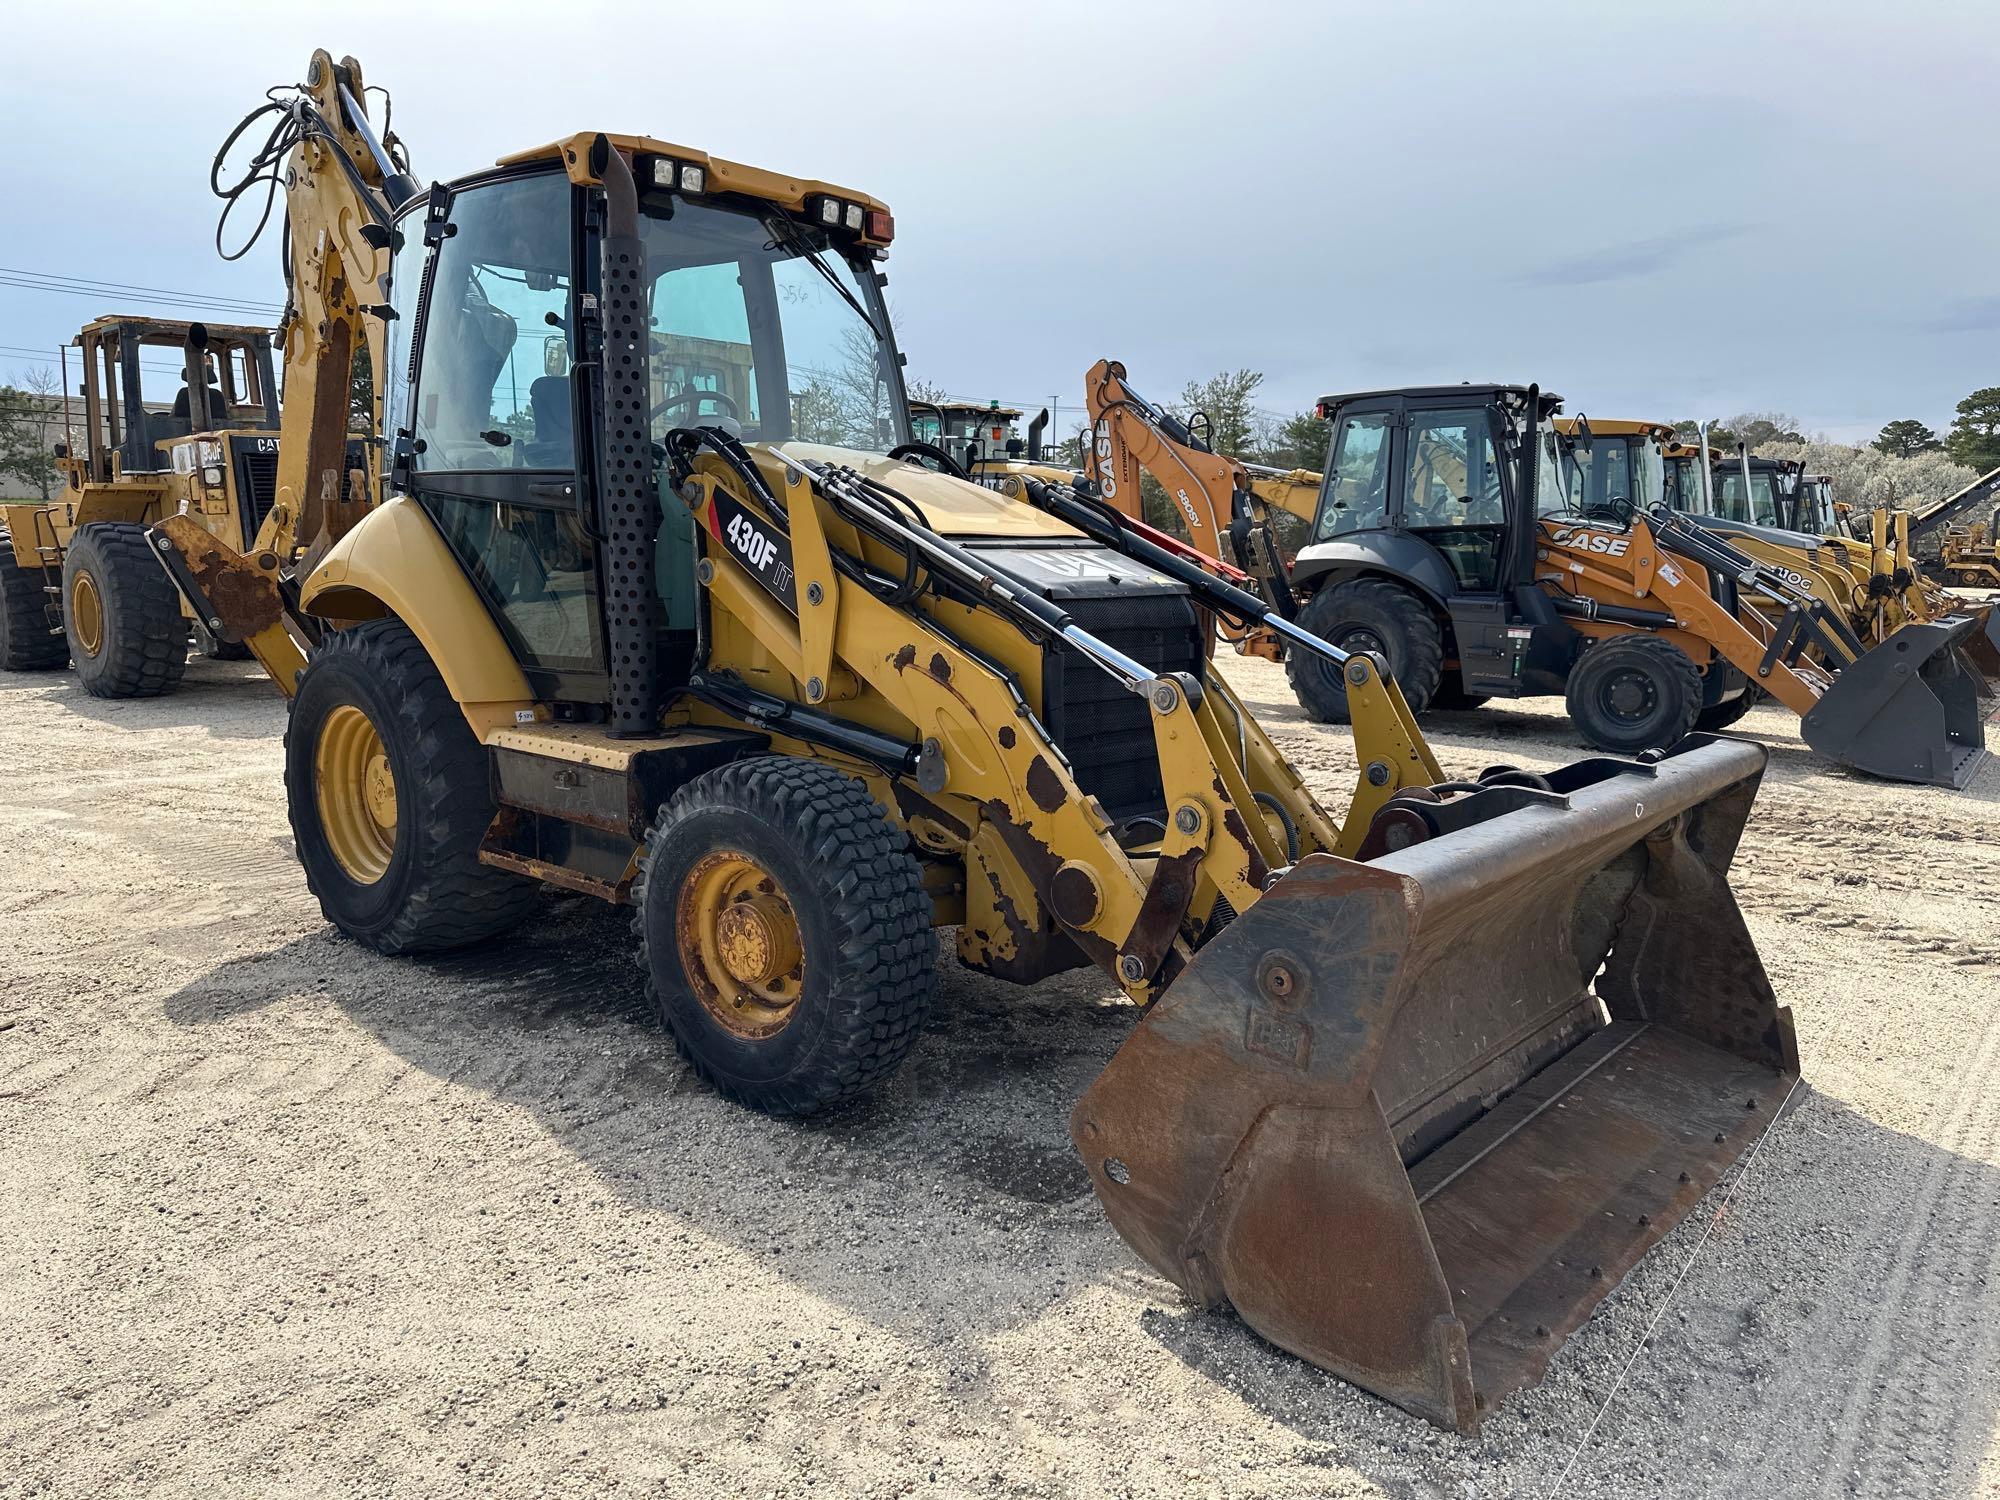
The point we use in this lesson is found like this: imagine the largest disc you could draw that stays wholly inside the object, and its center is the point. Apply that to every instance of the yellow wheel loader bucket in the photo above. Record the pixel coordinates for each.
(1414, 1116)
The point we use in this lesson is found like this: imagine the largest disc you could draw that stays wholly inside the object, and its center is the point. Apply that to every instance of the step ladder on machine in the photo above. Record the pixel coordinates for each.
(49, 548)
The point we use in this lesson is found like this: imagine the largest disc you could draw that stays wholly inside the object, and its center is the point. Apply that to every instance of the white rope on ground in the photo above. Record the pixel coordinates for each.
(1667, 1301)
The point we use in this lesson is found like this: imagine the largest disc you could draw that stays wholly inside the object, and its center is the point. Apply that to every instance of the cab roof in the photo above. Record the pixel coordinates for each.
(724, 176)
(143, 327)
(1615, 427)
(1474, 390)
(969, 408)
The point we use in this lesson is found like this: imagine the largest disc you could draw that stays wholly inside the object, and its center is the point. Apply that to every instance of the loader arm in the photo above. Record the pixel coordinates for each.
(1650, 571)
(989, 762)
(342, 183)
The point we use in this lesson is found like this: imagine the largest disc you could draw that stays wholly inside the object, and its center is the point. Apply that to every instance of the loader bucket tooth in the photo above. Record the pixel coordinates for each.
(1414, 1118)
(1908, 710)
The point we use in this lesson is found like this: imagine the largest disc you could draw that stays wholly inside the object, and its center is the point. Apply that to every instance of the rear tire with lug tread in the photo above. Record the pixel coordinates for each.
(786, 934)
(26, 642)
(1634, 692)
(121, 614)
(389, 798)
(1367, 614)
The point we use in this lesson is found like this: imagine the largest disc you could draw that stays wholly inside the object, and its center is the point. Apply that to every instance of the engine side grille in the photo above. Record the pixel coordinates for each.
(1105, 729)
(256, 487)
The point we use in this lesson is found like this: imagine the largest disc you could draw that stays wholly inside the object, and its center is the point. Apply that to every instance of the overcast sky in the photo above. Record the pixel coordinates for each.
(1657, 211)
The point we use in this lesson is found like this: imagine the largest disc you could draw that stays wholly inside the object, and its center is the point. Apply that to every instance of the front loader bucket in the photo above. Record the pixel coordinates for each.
(1907, 710)
(1982, 649)
(1413, 1118)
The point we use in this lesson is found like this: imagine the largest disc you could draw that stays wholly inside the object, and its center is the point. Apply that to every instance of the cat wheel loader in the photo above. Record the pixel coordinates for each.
(1413, 1086)
(78, 583)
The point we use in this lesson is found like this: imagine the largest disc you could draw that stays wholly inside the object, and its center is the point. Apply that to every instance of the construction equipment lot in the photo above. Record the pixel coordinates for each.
(278, 1215)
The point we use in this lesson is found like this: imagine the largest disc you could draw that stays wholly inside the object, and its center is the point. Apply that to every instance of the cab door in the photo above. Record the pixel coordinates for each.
(485, 418)
(1361, 464)
(1451, 489)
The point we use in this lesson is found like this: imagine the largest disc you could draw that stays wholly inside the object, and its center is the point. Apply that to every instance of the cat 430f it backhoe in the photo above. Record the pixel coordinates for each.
(1414, 1087)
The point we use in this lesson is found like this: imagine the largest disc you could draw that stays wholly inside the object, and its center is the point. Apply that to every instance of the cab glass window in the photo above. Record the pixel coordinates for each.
(1356, 497)
(767, 328)
(491, 392)
(1453, 474)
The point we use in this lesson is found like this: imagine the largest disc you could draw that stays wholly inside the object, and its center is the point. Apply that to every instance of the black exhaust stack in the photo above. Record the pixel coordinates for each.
(627, 508)
(1035, 430)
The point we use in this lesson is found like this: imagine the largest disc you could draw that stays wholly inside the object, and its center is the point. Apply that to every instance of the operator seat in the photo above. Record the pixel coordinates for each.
(552, 446)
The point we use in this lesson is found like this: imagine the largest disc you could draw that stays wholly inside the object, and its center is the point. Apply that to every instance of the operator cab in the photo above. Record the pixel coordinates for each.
(1764, 496)
(1444, 487)
(151, 384)
(764, 319)
(970, 433)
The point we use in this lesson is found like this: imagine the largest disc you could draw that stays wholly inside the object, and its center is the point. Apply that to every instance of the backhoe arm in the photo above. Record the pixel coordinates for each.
(1129, 433)
(342, 183)
(1221, 501)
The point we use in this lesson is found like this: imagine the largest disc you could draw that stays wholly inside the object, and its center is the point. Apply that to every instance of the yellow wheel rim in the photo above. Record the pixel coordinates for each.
(356, 793)
(86, 612)
(739, 943)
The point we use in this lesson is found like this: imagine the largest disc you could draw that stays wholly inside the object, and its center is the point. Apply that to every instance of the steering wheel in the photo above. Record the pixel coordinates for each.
(689, 396)
(1621, 509)
(942, 461)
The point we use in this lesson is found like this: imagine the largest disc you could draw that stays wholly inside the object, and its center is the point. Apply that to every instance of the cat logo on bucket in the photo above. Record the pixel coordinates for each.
(1579, 540)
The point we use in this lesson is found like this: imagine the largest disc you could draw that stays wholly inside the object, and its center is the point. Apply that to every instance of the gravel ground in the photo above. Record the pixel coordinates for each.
(278, 1216)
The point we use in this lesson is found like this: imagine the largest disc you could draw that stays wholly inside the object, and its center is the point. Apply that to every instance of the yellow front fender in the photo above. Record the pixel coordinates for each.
(394, 562)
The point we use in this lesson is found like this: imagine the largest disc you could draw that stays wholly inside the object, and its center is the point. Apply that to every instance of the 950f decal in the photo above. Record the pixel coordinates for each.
(758, 545)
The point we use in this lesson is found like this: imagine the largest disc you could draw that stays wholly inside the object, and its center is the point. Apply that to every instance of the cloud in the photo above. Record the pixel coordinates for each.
(1630, 261)
(1970, 315)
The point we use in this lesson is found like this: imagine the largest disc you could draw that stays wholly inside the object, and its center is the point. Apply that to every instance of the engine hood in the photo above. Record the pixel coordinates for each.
(956, 508)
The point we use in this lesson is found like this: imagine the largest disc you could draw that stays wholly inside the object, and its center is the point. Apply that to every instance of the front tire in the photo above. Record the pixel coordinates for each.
(1634, 692)
(122, 614)
(1367, 614)
(27, 644)
(786, 934)
(389, 799)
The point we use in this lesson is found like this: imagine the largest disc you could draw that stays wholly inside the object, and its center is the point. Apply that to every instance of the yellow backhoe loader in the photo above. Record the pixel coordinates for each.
(77, 581)
(1414, 1086)
(971, 433)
